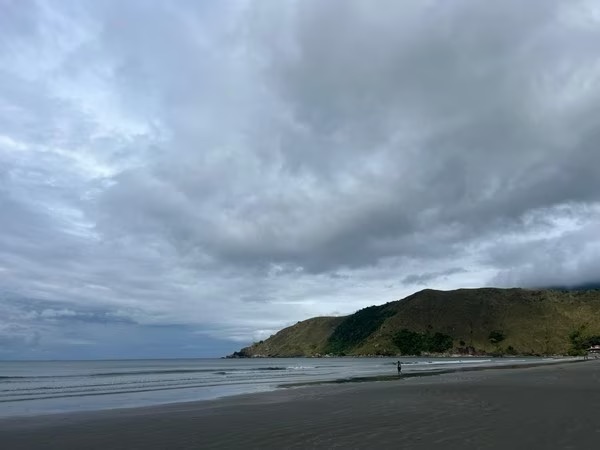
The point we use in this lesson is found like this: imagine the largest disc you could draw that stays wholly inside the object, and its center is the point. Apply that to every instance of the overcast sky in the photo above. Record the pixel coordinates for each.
(180, 178)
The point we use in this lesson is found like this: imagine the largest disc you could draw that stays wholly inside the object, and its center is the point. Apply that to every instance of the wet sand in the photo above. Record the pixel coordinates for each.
(552, 407)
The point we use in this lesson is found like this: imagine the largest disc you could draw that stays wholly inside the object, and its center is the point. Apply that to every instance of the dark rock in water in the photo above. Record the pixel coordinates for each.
(240, 354)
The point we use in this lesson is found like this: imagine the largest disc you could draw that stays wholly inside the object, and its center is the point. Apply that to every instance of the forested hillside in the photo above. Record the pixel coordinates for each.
(475, 321)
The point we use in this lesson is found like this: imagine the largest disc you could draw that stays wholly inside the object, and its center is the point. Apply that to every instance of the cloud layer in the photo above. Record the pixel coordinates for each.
(219, 170)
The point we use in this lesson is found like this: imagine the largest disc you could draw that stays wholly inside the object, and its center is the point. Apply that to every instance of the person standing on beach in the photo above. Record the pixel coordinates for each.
(399, 367)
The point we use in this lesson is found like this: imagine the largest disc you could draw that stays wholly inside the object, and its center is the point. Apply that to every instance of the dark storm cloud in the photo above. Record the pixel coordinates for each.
(414, 130)
(236, 166)
(569, 259)
(475, 83)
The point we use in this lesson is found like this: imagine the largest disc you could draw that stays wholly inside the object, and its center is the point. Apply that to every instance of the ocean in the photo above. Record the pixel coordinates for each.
(43, 387)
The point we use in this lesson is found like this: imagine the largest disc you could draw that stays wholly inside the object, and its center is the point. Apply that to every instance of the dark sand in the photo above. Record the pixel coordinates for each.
(554, 407)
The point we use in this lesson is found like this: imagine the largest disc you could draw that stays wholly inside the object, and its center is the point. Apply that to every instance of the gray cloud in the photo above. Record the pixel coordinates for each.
(233, 167)
(427, 277)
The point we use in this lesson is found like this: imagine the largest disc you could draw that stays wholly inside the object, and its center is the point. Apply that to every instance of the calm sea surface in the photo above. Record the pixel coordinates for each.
(40, 387)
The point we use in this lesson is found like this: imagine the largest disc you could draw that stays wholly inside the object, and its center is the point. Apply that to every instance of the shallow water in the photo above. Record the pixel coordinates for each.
(39, 387)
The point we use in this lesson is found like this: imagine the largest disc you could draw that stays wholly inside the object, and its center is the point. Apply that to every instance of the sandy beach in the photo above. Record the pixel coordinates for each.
(552, 407)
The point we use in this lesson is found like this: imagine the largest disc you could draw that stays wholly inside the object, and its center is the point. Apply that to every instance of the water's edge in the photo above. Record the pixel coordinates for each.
(425, 374)
(46, 388)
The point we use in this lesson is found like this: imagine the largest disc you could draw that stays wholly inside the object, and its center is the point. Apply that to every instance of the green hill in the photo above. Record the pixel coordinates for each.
(479, 321)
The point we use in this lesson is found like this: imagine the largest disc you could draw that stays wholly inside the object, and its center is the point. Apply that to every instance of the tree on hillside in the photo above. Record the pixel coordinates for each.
(409, 342)
(496, 336)
(580, 343)
(594, 340)
(439, 343)
(413, 343)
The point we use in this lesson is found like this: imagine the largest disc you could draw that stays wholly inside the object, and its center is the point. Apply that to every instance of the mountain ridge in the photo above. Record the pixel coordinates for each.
(474, 321)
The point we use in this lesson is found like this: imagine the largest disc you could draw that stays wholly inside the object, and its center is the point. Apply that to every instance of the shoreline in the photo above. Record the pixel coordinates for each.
(276, 387)
(422, 355)
(547, 406)
(428, 373)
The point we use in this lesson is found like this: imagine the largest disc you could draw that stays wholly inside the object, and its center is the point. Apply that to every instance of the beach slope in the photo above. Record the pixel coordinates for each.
(552, 407)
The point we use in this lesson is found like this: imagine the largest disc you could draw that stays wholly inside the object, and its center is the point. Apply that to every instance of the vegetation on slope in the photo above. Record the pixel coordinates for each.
(354, 329)
(414, 343)
(476, 321)
(580, 342)
(306, 338)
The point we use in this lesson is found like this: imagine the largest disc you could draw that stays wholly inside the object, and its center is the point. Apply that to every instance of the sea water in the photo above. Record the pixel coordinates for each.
(40, 387)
